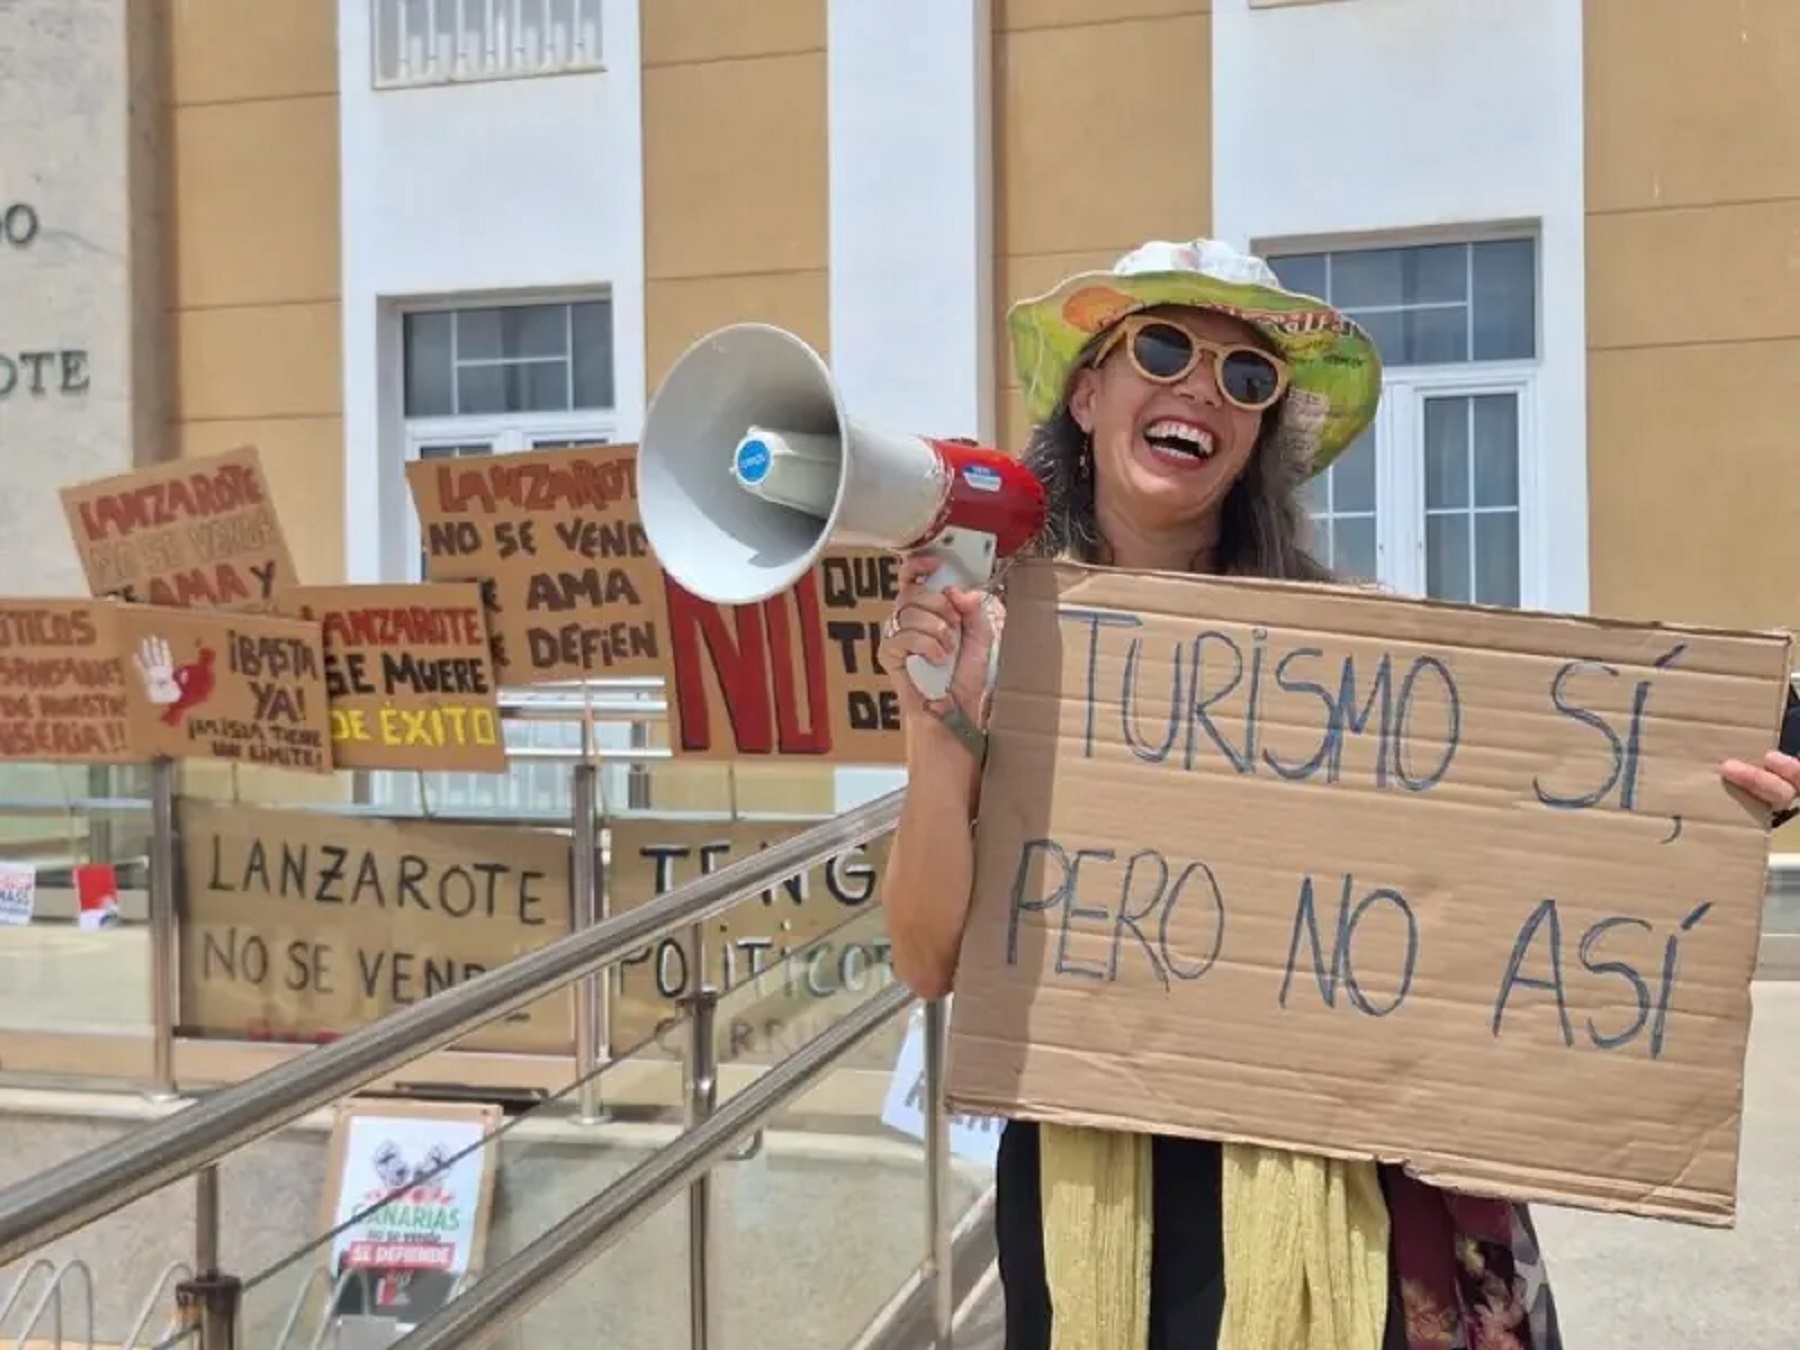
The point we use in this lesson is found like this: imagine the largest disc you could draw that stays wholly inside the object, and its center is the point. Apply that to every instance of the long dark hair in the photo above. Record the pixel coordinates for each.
(1263, 528)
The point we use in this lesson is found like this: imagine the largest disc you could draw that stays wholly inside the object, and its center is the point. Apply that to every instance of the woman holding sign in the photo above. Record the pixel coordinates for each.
(1180, 401)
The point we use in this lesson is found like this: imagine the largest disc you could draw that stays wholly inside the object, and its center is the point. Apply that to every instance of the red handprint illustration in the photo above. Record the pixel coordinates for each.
(176, 688)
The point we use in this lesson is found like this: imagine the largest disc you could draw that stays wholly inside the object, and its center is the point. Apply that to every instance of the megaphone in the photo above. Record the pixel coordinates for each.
(749, 468)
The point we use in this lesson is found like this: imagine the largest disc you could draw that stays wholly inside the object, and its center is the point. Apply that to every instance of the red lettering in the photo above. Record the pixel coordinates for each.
(751, 656)
(700, 639)
(815, 737)
(535, 485)
(404, 626)
(154, 506)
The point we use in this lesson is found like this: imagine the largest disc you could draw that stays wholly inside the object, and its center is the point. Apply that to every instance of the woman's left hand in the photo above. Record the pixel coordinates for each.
(1775, 781)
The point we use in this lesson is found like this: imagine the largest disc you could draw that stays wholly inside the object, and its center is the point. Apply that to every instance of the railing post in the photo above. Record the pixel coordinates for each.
(938, 1201)
(164, 933)
(584, 879)
(702, 1099)
(207, 1305)
(206, 1308)
(206, 1219)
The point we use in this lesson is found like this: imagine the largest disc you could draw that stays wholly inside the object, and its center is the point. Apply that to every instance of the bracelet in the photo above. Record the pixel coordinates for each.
(973, 738)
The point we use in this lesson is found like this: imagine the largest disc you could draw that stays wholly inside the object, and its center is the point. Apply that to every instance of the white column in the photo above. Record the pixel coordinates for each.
(912, 313)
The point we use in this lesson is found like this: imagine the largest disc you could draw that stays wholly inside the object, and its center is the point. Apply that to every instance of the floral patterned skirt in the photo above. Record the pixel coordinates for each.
(1470, 1271)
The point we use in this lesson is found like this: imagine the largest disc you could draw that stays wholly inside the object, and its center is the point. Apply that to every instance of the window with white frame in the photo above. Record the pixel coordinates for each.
(1430, 499)
(422, 42)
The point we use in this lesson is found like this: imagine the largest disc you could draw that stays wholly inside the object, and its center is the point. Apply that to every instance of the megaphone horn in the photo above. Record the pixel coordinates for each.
(749, 468)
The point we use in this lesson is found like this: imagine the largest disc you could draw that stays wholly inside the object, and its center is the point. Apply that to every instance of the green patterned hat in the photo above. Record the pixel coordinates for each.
(1335, 381)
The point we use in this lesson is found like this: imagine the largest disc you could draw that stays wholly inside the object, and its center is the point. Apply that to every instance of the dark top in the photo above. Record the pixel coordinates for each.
(1187, 1255)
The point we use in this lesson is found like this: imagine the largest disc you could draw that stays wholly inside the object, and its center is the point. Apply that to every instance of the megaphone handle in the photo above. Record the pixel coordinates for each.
(966, 561)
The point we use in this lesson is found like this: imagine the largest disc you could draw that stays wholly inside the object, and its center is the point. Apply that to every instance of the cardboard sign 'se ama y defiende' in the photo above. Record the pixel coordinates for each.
(1332, 871)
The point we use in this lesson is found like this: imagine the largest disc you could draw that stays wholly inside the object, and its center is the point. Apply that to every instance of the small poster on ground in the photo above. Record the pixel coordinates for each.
(409, 1195)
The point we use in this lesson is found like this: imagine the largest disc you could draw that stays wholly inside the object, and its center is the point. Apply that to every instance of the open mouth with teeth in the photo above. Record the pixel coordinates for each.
(1184, 442)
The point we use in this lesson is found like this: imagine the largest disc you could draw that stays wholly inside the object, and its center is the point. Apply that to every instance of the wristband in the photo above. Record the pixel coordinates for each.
(974, 740)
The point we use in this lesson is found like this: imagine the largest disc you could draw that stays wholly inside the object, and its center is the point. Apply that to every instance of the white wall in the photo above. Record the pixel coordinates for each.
(513, 187)
(1356, 116)
(912, 320)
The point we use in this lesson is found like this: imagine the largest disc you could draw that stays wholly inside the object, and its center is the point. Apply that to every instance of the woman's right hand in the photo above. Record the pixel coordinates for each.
(924, 624)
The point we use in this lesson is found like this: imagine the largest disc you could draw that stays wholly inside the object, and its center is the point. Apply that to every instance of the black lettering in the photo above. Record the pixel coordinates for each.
(1545, 913)
(308, 968)
(1340, 971)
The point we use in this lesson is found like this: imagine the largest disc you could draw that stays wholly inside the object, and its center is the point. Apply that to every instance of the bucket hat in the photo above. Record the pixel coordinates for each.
(1334, 369)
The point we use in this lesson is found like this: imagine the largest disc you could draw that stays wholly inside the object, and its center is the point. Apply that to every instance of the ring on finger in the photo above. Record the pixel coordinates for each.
(890, 626)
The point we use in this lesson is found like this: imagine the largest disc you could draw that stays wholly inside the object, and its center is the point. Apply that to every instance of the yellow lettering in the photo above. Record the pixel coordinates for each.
(437, 727)
(347, 724)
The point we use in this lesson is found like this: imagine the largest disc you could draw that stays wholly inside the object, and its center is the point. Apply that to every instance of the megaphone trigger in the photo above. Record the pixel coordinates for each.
(966, 562)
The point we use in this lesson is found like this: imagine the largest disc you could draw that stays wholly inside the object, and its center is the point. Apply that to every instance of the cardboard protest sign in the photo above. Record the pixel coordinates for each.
(196, 532)
(1338, 872)
(243, 687)
(62, 684)
(795, 676)
(409, 674)
(784, 1002)
(571, 589)
(97, 682)
(297, 927)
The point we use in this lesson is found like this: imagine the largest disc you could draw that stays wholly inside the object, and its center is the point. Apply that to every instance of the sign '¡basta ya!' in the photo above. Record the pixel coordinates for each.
(1327, 870)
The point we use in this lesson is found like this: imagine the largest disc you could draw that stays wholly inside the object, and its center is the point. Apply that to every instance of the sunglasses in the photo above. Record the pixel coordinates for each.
(1166, 353)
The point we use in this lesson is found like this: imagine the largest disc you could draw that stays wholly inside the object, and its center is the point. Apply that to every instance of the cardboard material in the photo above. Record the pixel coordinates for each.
(1327, 870)
(571, 589)
(410, 676)
(299, 927)
(62, 684)
(794, 677)
(97, 682)
(790, 971)
(225, 686)
(198, 532)
(572, 592)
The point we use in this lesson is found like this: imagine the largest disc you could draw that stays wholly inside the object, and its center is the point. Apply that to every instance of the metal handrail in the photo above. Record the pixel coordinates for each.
(511, 1290)
(97, 1183)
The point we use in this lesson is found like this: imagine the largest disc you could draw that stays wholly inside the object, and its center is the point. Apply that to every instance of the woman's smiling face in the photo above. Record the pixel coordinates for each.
(1165, 455)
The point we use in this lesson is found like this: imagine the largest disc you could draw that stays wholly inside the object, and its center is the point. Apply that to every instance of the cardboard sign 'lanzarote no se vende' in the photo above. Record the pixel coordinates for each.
(1324, 869)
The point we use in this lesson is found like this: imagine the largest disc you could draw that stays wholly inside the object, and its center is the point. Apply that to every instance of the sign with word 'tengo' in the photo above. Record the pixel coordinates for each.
(571, 589)
(298, 927)
(1328, 870)
(410, 676)
(791, 971)
(196, 532)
